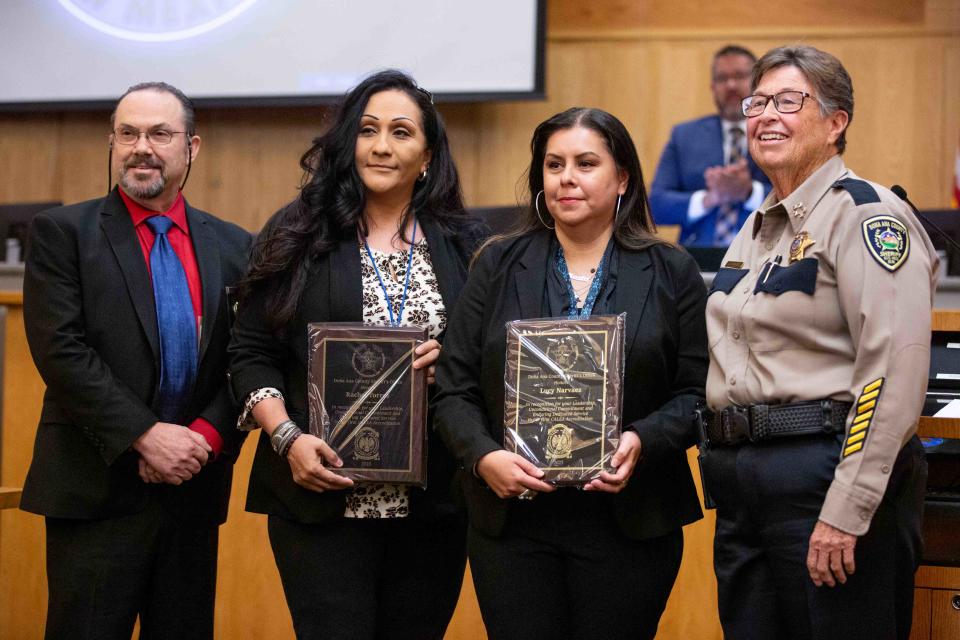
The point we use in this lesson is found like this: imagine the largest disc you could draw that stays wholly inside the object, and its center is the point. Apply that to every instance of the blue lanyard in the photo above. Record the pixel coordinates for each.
(591, 300)
(406, 283)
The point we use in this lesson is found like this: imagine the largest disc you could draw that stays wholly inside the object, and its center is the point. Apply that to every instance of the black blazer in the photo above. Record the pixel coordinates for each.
(259, 358)
(662, 292)
(91, 325)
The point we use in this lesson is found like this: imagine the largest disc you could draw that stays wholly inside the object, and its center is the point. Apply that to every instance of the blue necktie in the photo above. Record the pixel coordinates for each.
(175, 321)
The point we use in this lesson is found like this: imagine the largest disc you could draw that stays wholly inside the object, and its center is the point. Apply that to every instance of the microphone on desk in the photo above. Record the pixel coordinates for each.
(902, 194)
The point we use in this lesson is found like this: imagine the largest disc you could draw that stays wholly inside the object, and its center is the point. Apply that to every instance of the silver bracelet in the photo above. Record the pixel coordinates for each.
(288, 444)
(283, 436)
(283, 448)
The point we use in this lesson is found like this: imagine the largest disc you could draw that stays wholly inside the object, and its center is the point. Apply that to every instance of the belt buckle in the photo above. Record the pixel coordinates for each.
(735, 424)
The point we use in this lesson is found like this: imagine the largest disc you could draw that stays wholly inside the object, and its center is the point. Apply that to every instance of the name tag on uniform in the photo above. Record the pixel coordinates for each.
(734, 264)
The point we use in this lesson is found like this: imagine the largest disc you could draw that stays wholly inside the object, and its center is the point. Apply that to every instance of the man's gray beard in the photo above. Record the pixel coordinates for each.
(144, 191)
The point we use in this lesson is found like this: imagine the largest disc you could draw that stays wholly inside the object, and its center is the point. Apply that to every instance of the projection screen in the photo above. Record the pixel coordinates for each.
(61, 54)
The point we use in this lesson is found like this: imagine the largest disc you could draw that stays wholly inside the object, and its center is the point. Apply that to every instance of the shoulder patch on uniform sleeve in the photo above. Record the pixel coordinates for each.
(861, 191)
(887, 240)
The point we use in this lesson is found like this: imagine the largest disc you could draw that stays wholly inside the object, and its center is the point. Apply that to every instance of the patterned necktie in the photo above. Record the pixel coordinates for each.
(736, 140)
(175, 321)
(728, 217)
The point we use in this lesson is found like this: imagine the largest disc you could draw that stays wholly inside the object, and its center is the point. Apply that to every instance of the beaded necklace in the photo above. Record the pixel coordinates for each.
(591, 299)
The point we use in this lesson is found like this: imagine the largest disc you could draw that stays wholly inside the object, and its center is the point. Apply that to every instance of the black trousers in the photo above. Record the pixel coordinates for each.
(562, 569)
(768, 498)
(102, 574)
(358, 578)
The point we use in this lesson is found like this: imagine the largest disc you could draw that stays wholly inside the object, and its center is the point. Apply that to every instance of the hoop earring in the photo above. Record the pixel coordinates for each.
(536, 205)
(422, 176)
(616, 214)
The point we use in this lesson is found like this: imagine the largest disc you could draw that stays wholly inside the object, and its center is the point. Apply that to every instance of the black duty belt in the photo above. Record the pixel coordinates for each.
(736, 424)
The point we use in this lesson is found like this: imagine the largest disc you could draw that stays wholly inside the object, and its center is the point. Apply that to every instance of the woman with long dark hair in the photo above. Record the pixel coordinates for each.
(598, 562)
(381, 201)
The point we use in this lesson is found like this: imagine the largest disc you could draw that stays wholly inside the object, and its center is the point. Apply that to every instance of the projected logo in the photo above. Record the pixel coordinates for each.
(156, 20)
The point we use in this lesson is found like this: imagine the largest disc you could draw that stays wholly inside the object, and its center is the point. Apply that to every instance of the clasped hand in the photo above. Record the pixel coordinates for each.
(171, 453)
(310, 458)
(727, 184)
(509, 474)
(624, 461)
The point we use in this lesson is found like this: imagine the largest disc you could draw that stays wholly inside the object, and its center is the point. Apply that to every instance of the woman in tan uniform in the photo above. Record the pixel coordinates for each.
(819, 333)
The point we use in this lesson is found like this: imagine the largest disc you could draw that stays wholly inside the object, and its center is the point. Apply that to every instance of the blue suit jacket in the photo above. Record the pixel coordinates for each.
(694, 146)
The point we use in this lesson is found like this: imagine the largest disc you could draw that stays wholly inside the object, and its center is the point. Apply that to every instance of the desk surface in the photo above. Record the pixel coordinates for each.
(939, 427)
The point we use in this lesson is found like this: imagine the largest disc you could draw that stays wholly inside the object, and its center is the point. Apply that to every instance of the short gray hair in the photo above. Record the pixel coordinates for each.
(824, 71)
(189, 116)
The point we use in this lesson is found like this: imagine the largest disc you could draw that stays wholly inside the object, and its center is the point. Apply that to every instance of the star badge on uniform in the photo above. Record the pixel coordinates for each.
(801, 242)
(799, 209)
(887, 240)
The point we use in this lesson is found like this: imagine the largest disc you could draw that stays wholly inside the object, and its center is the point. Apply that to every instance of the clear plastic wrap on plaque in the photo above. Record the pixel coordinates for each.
(367, 402)
(562, 402)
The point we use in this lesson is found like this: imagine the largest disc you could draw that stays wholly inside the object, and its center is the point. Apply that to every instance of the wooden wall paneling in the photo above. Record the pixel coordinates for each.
(467, 624)
(593, 16)
(599, 75)
(82, 160)
(226, 172)
(250, 600)
(674, 87)
(23, 586)
(506, 129)
(942, 14)
(932, 577)
(613, 15)
(615, 74)
(945, 618)
(897, 94)
(949, 129)
(921, 614)
(906, 83)
(249, 166)
(29, 152)
(692, 608)
(291, 133)
(503, 151)
(9, 497)
(464, 137)
(945, 320)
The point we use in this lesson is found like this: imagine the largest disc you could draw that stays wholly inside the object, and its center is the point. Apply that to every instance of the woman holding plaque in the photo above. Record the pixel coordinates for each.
(377, 235)
(599, 562)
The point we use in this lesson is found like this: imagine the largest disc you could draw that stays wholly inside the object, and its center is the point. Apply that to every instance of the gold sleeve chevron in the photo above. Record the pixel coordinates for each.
(861, 420)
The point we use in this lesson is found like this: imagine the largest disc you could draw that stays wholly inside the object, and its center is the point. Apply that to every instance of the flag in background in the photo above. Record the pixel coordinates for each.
(956, 180)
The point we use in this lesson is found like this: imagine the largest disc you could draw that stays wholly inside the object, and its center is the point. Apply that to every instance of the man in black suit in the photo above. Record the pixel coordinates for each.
(133, 458)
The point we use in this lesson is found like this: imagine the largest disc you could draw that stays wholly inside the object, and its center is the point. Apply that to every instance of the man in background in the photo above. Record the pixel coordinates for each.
(127, 321)
(706, 182)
